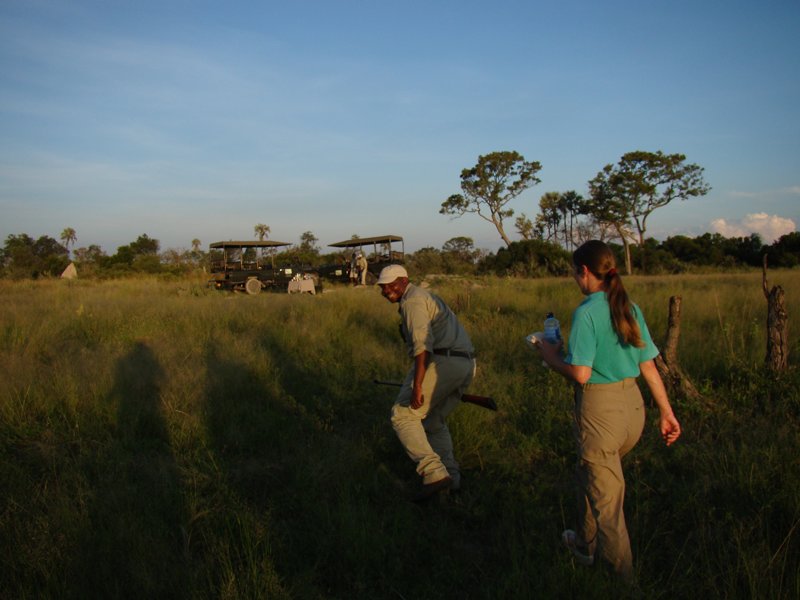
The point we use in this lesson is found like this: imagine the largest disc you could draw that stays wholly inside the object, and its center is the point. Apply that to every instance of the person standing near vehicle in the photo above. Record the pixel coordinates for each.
(361, 264)
(353, 268)
(609, 346)
(444, 366)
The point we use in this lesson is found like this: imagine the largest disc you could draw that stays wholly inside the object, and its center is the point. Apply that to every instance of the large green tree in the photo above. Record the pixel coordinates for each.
(308, 250)
(22, 256)
(626, 194)
(785, 252)
(490, 185)
(606, 207)
(308, 242)
(141, 254)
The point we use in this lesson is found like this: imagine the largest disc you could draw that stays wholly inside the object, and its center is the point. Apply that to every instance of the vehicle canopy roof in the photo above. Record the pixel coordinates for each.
(249, 244)
(357, 242)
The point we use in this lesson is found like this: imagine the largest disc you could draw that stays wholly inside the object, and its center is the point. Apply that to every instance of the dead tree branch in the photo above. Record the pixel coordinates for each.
(777, 358)
(675, 379)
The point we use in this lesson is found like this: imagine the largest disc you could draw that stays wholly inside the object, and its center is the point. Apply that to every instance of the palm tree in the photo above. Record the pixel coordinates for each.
(196, 245)
(69, 238)
(261, 231)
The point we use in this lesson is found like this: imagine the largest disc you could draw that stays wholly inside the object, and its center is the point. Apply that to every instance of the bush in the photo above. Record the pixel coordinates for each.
(528, 258)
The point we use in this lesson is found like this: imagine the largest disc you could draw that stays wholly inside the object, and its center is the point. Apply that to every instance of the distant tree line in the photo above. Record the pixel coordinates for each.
(677, 254)
(543, 258)
(22, 257)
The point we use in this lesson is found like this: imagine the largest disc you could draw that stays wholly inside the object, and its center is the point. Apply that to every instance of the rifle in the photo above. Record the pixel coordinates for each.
(482, 401)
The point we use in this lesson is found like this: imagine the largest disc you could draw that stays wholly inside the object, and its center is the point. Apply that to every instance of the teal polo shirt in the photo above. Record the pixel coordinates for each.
(594, 343)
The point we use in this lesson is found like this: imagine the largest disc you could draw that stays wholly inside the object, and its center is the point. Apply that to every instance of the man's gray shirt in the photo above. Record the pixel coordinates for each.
(428, 323)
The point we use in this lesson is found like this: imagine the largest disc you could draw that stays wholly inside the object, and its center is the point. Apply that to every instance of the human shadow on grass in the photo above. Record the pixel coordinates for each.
(134, 546)
(349, 410)
(334, 384)
(256, 432)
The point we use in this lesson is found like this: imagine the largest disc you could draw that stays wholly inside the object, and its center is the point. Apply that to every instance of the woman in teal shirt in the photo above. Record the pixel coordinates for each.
(609, 346)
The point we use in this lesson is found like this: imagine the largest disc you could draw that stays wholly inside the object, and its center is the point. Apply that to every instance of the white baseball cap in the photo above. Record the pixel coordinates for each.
(390, 273)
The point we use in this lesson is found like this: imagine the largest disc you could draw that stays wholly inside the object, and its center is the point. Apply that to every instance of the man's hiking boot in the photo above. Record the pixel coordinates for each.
(430, 489)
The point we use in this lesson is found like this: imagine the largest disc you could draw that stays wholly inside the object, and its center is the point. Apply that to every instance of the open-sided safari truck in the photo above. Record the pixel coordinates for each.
(379, 251)
(245, 267)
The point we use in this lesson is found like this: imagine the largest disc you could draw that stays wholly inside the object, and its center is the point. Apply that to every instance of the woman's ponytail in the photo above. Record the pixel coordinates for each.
(599, 259)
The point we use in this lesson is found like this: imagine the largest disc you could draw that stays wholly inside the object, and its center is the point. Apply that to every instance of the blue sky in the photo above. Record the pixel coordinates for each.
(196, 119)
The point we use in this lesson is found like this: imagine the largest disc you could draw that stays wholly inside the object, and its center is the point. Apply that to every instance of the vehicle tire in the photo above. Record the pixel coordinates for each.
(253, 286)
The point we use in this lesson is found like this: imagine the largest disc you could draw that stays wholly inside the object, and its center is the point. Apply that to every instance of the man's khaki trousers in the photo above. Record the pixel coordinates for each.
(423, 432)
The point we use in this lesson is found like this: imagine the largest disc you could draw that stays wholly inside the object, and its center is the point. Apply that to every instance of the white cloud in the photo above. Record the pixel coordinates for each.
(769, 227)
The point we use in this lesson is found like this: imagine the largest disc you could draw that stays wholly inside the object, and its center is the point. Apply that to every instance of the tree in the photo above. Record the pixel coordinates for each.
(69, 238)
(494, 181)
(572, 204)
(463, 246)
(177, 261)
(132, 255)
(640, 183)
(549, 218)
(22, 256)
(524, 227)
(556, 221)
(590, 229)
(145, 245)
(308, 243)
(529, 258)
(605, 205)
(196, 245)
(307, 252)
(426, 260)
(683, 248)
(261, 231)
(785, 252)
(459, 255)
(91, 254)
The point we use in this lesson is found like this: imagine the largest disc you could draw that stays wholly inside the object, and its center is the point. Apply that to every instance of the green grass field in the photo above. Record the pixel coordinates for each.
(161, 440)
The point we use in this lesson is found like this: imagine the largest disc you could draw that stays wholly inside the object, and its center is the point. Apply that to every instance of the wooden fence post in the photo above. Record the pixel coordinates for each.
(777, 358)
(675, 379)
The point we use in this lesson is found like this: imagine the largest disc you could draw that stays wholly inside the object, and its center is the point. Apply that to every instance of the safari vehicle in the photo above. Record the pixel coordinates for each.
(385, 250)
(243, 267)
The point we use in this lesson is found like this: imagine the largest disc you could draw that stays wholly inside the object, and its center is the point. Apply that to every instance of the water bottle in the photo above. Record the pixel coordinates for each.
(552, 329)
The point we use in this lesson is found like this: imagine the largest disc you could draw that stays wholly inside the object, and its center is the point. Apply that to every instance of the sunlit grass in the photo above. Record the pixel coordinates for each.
(221, 445)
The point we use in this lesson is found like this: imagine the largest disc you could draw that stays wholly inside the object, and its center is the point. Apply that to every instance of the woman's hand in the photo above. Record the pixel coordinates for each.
(551, 353)
(670, 428)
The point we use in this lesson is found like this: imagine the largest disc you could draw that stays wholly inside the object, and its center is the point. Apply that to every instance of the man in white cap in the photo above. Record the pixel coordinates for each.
(444, 365)
(354, 268)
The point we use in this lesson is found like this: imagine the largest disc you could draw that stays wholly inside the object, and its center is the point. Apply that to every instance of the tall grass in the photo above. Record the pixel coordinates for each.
(163, 440)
